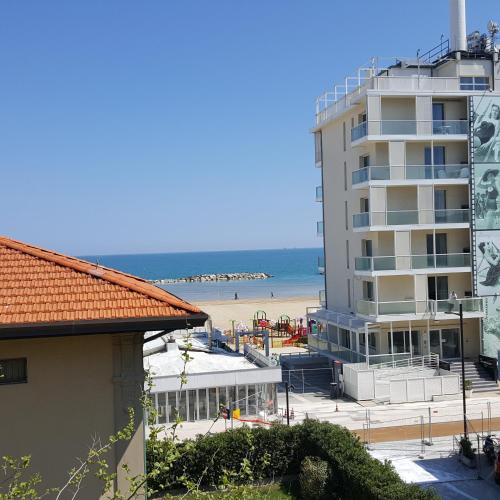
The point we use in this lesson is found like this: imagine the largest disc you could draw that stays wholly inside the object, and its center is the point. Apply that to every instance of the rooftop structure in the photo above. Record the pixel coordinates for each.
(71, 342)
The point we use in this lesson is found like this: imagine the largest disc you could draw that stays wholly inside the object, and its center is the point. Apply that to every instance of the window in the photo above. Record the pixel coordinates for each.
(344, 140)
(13, 371)
(366, 248)
(345, 176)
(440, 199)
(364, 205)
(364, 161)
(437, 158)
(345, 338)
(346, 216)
(318, 148)
(438, 111)
(348, 293)
(437, 287)
(368, 290)
(474, 83)
(347, 252)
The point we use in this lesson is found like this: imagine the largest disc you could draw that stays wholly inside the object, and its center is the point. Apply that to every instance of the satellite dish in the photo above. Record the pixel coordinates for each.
(493, 27)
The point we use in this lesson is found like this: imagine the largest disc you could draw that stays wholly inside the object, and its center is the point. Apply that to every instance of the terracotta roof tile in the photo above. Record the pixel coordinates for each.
(41, 286)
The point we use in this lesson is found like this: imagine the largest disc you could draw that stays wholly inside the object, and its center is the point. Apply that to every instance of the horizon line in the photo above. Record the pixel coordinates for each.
(197, 251)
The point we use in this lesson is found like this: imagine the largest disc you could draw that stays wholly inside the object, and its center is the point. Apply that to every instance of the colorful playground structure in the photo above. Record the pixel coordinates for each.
(282, 332)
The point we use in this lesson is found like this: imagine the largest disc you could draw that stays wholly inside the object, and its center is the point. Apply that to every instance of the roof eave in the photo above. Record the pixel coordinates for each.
(74, 328)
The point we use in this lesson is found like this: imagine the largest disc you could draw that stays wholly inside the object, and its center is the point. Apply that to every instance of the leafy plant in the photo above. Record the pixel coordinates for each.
(468, 385)
(466, 448)
(313, 478)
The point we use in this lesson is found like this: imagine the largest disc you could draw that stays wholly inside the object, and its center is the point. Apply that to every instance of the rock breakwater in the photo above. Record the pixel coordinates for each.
(202, 278)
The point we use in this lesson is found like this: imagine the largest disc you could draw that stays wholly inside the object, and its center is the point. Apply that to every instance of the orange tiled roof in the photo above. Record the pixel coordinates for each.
(39, 286)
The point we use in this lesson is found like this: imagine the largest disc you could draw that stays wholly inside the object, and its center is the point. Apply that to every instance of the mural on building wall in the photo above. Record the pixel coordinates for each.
(486, 129)
(487, 196)
(488, 263)
(491, 326)
(485, 163)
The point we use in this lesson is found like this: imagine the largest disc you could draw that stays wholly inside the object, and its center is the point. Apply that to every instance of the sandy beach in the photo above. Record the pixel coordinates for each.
(224, 311)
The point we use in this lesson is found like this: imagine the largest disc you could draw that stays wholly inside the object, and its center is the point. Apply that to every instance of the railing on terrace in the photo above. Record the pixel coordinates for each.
(403, 262)
(258, 356)
(339, 351)
(403, 360)
(410, 172)
(411, 217)
(319, 193)
(322, 297)
(410, 127)
(319, 228)
(431, 307)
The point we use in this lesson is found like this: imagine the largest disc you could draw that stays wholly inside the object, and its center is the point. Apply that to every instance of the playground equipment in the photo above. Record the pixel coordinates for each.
(283, 327)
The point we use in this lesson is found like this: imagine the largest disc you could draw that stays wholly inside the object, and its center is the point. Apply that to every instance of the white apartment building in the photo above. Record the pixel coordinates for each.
(394, 147)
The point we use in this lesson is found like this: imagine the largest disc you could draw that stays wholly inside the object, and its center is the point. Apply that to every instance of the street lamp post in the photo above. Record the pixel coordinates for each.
(462, 359)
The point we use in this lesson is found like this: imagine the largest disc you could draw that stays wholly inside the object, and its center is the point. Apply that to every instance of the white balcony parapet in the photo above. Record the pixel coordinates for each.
(412, 262)
(411, 217)
(413, 307)
(410, 127)
(411, 172)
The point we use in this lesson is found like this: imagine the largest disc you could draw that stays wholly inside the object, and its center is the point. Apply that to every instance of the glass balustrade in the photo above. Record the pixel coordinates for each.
(319, 193)
(445, 127)
(360, 131)
(437, 171)
(401, 217)
(401, 307)
(398, 127)
(440, 260)
(452, 216)
(361, 220)
(319, 228)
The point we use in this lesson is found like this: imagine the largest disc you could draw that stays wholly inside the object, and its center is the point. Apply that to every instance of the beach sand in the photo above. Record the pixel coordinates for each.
(223, 311)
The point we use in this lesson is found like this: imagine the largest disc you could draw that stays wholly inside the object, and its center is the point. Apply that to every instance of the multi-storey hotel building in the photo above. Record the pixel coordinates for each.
(395, 147)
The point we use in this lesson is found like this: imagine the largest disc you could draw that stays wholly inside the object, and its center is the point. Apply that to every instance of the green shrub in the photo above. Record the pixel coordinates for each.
(313, 478)
(244, 455)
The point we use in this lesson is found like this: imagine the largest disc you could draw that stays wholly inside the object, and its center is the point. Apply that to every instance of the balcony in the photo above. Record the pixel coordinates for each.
(412, 262)
(410, 127)
(410, 217)
(319, 193)
(321, 265)
(319, 228)
(472, 307)
(322, 298)
(360, 131)
(411, 172)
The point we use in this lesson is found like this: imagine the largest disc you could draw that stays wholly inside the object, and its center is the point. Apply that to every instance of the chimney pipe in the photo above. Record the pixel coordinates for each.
(458, 28)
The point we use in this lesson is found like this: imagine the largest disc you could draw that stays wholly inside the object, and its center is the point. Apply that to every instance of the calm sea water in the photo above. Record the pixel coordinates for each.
(295, 271)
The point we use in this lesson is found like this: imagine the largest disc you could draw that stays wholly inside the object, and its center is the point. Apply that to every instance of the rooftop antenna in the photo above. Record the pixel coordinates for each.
(493, 28)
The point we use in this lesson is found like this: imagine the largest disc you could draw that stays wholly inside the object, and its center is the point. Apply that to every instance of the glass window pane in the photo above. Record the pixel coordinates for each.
(213, 410)
(252, 403)
(182, 405)
(202, 404)
(162, 408)
(242, 399)
(192, 406)
(171, 407)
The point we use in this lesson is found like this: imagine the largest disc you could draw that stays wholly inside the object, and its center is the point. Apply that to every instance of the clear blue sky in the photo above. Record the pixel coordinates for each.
(177, 125)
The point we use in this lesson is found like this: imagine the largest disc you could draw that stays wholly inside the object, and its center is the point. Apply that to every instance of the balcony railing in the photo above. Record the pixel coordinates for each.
(410, 127)
(360, 131)
(319, 228)
(321, 264)
(322, 297)
(411, 262)
(319, 193)
(411, 217)
(410, 172)
(371, 308)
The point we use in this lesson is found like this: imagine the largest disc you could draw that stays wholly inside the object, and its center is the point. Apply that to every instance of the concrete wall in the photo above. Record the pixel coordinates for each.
(398, 108)
(78, 388)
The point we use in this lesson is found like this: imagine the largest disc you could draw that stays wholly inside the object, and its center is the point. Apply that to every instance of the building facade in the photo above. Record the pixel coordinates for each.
(408, 190)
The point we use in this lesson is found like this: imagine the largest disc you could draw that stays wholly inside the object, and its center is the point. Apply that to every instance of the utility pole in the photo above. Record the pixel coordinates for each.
(287, 405)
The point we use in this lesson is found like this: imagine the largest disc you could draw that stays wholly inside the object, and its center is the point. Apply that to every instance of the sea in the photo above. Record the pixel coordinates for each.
(294, 272)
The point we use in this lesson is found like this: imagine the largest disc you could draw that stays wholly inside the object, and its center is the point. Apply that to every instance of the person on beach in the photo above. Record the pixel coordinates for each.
(235, 295)
(272, 295)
